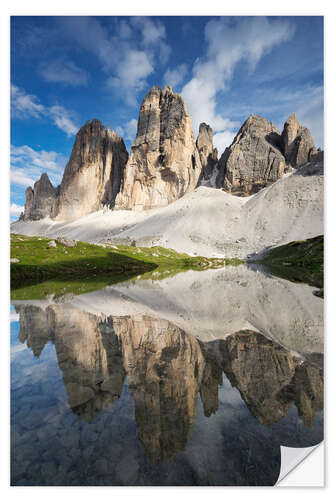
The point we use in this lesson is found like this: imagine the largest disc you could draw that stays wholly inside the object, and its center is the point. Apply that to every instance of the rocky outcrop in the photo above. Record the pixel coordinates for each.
(163, 166)
(164, 163)
(253, 160)
(91, 179)
(208, 154)
(41, 201)
(297, 143)
(93, 174)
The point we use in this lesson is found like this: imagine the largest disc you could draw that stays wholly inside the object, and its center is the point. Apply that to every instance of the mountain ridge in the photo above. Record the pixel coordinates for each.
(165, 162)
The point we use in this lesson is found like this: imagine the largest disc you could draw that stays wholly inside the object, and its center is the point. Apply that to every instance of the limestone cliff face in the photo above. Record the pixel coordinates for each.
(164, 163)
(297, 143)
(208, 154)
(93, 174)
(91, 179)
(41, 201)
(253, 160)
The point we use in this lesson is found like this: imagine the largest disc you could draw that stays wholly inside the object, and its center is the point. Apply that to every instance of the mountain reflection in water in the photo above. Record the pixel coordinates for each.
(132, 385)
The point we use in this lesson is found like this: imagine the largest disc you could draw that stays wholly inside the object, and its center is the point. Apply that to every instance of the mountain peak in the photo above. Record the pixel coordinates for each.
(164, 163)
(297, 143)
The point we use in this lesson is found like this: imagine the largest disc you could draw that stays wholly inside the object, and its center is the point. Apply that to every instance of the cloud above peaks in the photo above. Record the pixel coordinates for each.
(28, 164)
(175, 76)
(131, 74)
(63, 119)
(25, 106)
(222, 140)
(16, 210)
(230, 41)
(153, 35)
(128, 51)
(63, 71)
(128, 131)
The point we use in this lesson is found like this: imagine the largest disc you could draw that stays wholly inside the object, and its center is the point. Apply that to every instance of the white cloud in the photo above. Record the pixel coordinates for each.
(63, 71)
(63, 120)
(175, 76)
(125, 31)
(120, 131)
(131, 128)
(153, 36)
(13, 315)
(16, 209)
(27, 165)
(20, 178)
(24, 106)
(128, 53)
(128, 131)
(131, 75)
(229, 43)
(152, 31)
(222, 140)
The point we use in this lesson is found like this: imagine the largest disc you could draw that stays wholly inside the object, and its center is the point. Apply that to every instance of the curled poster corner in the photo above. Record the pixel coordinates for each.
(291, 458)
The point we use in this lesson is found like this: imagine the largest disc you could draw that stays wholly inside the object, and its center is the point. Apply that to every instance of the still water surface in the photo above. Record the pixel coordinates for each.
(138, 399)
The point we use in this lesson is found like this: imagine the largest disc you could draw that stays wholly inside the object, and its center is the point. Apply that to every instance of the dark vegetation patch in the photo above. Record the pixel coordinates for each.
(43, 271)
(298, 261)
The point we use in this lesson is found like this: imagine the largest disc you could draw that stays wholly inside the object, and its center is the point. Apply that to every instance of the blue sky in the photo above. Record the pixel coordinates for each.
(66, 70)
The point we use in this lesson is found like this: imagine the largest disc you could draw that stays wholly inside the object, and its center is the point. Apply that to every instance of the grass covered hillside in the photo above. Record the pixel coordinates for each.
(299, 261)
(38, 270)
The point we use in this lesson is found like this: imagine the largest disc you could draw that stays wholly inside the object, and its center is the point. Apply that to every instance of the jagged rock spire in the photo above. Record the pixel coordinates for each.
(93, 174)
(91, 179)
(253, 160)
(164, 163)
(41, 200)
(208, 154)
(297, 143)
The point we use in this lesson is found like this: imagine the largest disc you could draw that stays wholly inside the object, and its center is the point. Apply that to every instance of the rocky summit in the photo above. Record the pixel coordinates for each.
(253, 160)
(208, 154)
(297, 143)
(41, 201)
(91, 178)
(166, 162)
(93, 174)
